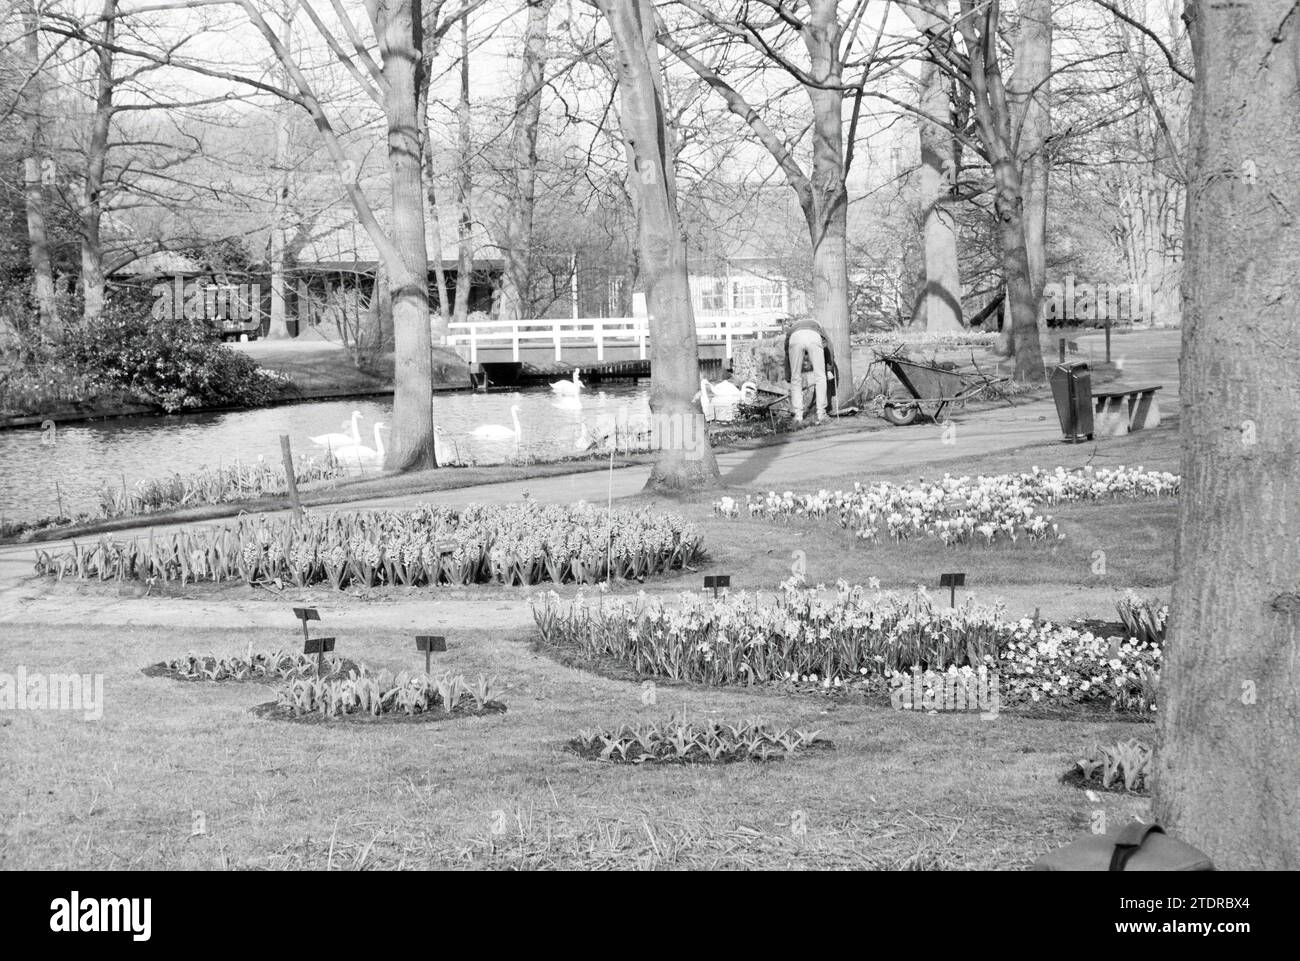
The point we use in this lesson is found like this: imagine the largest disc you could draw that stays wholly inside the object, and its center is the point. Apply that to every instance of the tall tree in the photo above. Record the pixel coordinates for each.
(1228, 772)
(35, 167)
(92, 199)
(399, 27)
(464, 185)
(827, 35)
(516, 250)
(395, 84)
(685, 461)
(977, 66)
(1030, 90)
(940, 302)
(278, 327)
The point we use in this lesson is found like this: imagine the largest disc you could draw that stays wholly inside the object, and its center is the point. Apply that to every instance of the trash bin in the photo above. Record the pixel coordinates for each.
(1072, 390)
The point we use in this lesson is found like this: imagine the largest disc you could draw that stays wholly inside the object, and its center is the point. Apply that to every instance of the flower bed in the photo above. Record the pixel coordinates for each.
(1123, 768)
(852, 639)
(957, 510)
(222, 485)
(682, 742)
(383, 695)
(508, 544)
(259, 666)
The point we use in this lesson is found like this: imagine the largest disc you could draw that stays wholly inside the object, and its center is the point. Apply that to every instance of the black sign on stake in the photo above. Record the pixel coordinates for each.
(715, 581)
(305, 614)
(952, 582)
(428, 643)
(320, 646)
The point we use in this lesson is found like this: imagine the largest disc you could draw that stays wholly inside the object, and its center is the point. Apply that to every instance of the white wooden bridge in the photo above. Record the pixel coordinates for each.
(579, 341)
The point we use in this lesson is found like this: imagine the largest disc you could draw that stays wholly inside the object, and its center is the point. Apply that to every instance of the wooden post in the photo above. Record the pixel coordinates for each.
(286, 452)
(1108, 337)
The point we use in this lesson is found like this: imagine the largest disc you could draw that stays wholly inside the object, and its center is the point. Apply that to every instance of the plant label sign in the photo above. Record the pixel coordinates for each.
(306, 614)
(428, 643)
(716, 581)
(320, 646)
(952, 582)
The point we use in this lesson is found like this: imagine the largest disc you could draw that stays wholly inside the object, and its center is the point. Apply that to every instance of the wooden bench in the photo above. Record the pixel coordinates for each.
(1122, 410)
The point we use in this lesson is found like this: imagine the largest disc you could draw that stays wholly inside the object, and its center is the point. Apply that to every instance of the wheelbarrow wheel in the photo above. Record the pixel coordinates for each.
(901, 413)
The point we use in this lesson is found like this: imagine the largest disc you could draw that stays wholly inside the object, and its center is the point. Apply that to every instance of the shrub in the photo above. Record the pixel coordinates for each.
(177, 364)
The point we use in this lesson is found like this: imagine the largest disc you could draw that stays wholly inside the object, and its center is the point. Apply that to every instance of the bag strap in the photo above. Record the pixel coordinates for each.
(1130, 840)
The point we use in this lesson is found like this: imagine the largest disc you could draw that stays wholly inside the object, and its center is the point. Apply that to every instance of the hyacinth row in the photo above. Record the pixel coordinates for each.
(846, 636)
(222, 485)
(513, 544)
(957, 510)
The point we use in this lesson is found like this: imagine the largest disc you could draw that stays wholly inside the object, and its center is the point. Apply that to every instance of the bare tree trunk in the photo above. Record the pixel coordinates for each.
(1030, 91)
(34, 167)
(401, 44)
(92, 200)
(830, 198)
(443, 319)
(383, 298)
(278, 328)
(941, 301)
(1227, 767)
(685, 460)
(464, 186)
(993, 121)
(517, 249)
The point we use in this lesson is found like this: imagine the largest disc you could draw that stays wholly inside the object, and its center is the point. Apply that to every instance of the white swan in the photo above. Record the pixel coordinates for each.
(359, 452)
(706, 403)
(726, 396)
(585, 438)
(726, 391)
(569, 387)
(500, 431)
(444, 455)
(336, 440)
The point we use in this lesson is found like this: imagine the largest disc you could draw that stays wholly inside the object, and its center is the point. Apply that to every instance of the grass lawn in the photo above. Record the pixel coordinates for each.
(901, 789)
(898, 790)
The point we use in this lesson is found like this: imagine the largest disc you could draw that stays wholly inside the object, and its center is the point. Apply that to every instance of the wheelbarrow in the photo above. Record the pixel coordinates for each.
(928, 385)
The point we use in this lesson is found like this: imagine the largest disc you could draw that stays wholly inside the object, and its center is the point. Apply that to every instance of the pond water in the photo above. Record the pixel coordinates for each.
(84, 457)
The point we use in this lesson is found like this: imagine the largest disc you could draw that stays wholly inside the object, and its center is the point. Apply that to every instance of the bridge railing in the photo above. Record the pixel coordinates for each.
(598, 332)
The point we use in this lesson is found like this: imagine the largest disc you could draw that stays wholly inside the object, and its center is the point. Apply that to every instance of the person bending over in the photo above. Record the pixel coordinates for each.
(805, 339)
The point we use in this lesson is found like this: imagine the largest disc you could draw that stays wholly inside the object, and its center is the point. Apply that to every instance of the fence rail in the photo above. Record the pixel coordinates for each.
(600, 333)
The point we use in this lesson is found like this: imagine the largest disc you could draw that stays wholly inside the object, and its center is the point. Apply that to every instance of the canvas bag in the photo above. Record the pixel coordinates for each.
(1134, 847)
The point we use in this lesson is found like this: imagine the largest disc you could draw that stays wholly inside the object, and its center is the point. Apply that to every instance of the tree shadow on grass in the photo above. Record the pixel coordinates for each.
(759, 459)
